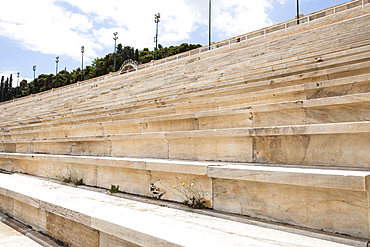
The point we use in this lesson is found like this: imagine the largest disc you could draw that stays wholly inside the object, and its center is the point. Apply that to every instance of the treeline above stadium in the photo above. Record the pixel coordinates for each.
(99, 67)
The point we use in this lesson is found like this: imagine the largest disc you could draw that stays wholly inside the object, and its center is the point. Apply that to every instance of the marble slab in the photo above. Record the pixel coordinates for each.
(149, 225)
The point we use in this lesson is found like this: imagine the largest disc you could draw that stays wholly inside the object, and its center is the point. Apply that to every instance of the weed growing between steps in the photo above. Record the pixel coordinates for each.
(190, 192)
(115, 189)
(71, 180)
(69, 177)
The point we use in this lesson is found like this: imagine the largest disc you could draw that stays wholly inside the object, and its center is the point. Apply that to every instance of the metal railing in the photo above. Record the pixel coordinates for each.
(226, 43)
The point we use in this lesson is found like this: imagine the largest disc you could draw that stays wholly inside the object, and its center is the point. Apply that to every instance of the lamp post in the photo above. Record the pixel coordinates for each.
(82, 66)
(209, 25)
(16, 89)
(114, 54)
(34, 75)
(56, 71)
(156, 20)
(297, 12)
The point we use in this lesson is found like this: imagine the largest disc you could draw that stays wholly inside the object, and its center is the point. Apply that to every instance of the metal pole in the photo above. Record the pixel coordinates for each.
(16, 89)
(34, 75)
(114, 54)
(56, 71)
(82, 66)
(156, 42)
(209, 25)
(156, 20)
(297, 12)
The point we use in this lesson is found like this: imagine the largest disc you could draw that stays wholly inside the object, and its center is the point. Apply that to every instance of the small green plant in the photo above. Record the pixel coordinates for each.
(192, 194)
(115, 189)
(71, 180)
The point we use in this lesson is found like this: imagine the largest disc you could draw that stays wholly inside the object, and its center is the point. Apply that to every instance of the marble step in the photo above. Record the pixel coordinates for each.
(17, 234)
(102, 220)
(297, 27)
(326, 144)
(346, 108)
(92, 108)
(51, 206)
(245, 95)
(309, 129)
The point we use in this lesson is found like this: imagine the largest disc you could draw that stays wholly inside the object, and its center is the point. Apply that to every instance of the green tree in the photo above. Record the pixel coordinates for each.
(2, 88)
(136, 55)
(8, 88)
(99, 67)
(64, 78)
(126, 52)
(145, 56)
(24, 88)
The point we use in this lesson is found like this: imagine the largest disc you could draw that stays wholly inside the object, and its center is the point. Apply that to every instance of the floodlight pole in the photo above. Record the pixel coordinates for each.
(297, 12)
(209, 25)
(56, 71)
(156, 20)
(82, 66)
(34, 76)
(16, 89)
(114, 54)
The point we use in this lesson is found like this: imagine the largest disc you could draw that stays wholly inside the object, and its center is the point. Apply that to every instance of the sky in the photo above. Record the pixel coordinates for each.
(35, 32)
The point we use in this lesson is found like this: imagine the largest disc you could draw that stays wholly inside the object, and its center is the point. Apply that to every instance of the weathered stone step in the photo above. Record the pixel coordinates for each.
(347, 108)
(350, 108)
(15, 234)
(268, 83)
(102, 220)
(344, 178)
(277, 128)
(11, 238)
(334, 128)
(326, 144)
(297, 27)
(313, 90)
(173, 88)
(355, 84)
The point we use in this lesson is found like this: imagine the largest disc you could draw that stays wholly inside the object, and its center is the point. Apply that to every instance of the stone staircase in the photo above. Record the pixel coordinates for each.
(274, 127)
(87, 217)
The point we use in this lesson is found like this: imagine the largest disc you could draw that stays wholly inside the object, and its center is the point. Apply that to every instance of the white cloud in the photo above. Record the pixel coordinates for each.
(61, 27)
(46, 27)
(12, 71)
(282, 2)
(235, 17)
